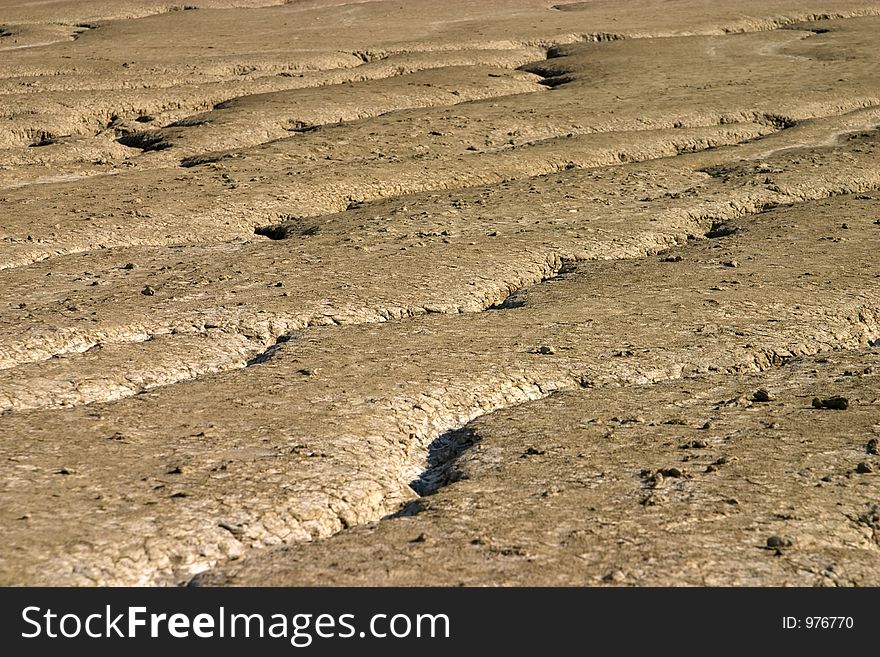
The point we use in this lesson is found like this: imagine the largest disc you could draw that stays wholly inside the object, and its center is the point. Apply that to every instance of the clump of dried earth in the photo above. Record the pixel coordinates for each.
(509, 292)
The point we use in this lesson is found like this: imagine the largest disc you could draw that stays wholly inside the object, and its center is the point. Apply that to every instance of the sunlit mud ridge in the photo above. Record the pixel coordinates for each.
(187, 339)
(284, 315)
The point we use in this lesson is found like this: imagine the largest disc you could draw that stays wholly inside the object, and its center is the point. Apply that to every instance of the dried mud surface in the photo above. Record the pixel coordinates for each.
(413, 293)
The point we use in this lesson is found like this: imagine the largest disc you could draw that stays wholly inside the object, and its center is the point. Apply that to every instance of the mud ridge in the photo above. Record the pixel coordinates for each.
(443, 451)
(506, 294)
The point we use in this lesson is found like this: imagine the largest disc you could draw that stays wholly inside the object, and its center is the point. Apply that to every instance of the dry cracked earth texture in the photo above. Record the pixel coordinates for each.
(403, 293)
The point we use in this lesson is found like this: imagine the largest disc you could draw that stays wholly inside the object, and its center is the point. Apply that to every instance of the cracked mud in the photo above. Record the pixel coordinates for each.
(512, 293)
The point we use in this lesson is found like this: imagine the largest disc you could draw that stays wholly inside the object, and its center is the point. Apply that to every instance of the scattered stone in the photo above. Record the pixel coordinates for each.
(722, 229)
(545, 350)
(779, 541)
(533, 451)
(672, 472)
(148, 291)
(675, 258)
(65, 471)
(836, 403)
(864, 468)
(708, 424)
(763, 395)
(695, 444)
(129, 266)
(872, 447)
(421, 538)
(614, 576)
(731, 263)
(235, 530)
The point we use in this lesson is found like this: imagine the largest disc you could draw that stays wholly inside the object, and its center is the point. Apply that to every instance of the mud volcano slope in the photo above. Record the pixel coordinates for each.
(438, 293)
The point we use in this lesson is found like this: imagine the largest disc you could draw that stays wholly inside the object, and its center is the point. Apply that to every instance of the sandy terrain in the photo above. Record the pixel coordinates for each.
(402, 293)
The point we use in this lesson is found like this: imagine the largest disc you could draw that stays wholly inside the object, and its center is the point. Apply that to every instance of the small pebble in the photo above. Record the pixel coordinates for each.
(546, 350)
(235, 530)
(836, 403)
(762, 395)
(864, 468)
(731, 263)
(148, 291)
(872, 447)
(779, 541)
